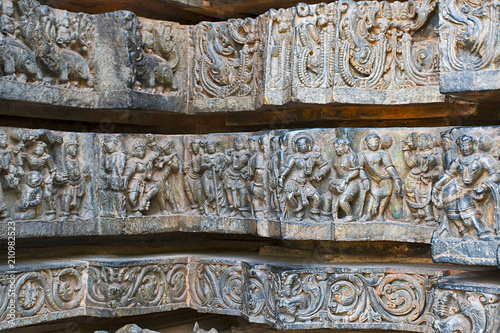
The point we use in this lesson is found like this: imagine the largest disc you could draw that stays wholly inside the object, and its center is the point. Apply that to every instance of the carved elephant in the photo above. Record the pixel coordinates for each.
(18, 60)
(164, 75)
(74, 67)
(156, 73)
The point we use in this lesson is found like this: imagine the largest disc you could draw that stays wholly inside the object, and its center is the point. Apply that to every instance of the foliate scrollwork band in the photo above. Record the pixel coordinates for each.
(303, 297)
(341, 51)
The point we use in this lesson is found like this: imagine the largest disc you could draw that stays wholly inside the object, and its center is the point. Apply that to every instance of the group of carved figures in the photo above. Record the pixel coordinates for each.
(292, 180)
(36, 45)
(44, 172)
(446, 177)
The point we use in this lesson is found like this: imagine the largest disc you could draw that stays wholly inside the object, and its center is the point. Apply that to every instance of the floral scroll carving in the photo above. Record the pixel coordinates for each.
(469, 35)
(139, 286)
(227, 58)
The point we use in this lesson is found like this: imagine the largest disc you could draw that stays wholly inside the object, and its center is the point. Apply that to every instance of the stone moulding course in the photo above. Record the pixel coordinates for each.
(283, 294)
(320, 54)
(417, 185)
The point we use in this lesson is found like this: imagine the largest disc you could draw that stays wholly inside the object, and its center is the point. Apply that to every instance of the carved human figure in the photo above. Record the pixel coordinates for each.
(462, 185)
(40, 160)
(345, 181)
(114, 183)
(74, 190)
(446, 144)
(291, 300)
(7, 22)
(303, 167)
(8, 172)
(425, 170)
(166, 164)
(31, 196)
(192, 178)
(256, 174)
(275, 167)
(212, 165)
(138, 173)
(235, 177)
(63, 31)
(377, 175)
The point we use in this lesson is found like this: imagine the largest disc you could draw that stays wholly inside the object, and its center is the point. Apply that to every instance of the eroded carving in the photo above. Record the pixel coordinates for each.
(61, 45)
(153, 55)
(345, 183)
(469, 35)
(459, 311)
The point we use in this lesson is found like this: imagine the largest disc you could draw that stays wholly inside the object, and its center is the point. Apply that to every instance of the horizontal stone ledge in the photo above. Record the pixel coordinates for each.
(307, 54)
(285, 294)
(290, 230)
(418, 185)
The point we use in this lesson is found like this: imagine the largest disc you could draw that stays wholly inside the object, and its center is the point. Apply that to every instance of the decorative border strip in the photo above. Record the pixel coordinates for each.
(282, 295)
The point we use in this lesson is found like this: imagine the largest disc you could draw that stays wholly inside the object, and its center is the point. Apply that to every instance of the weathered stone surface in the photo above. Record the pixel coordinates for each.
(284, 295)
(469, 46)
(321, 54)
(468, 302)
(343, 184)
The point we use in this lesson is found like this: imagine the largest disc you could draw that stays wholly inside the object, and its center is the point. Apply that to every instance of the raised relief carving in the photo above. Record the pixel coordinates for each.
(9, 174)
(459, 311)
(62, 45)
(212, 165)
(279, 60)
(153, 55)
(193, 173)
(463, 185)
(45, 292)
(51, 178)
(217, 286)
(344, 184)
(378, 177)
(469, 35)
(165, 165)
(315, 45)
(425, 166)
(138, 172)
(379, 48)
(379, 298)
(300, 297)
(257, 177)
(73, 191)
(227, 59)
(137, 286)
(304, 166)
(113, 182)
(236, 176)
(275, 167)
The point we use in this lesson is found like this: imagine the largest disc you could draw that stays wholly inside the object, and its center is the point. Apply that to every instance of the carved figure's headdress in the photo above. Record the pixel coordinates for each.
(301, 135)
